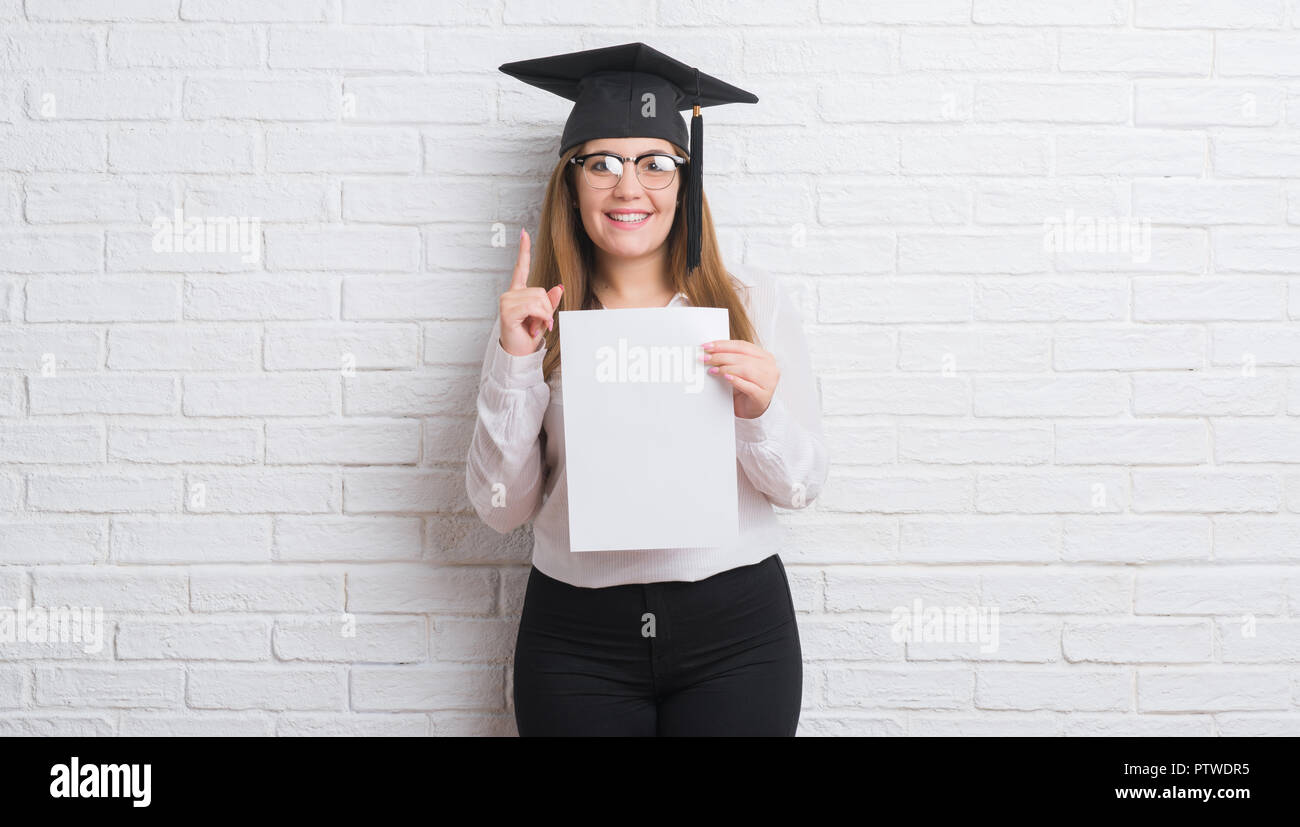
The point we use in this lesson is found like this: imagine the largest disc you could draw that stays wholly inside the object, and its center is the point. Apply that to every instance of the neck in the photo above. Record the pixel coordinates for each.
(639, 281)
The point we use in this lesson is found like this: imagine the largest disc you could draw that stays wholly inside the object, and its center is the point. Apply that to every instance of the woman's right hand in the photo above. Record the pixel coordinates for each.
(526, 312)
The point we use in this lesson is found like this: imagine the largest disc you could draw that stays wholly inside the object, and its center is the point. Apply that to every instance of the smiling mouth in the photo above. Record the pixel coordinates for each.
(629, 220)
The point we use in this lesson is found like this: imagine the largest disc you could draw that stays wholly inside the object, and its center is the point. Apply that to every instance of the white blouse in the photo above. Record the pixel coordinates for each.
(515, 470)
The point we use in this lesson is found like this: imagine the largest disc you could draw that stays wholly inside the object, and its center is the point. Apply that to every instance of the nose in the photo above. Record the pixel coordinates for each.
(629, 186)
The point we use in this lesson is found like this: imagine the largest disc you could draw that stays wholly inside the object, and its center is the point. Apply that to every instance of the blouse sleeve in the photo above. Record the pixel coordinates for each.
(505, 471)
(783, 451)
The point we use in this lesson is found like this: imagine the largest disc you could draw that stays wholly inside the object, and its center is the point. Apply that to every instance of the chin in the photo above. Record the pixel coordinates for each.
(633, 248)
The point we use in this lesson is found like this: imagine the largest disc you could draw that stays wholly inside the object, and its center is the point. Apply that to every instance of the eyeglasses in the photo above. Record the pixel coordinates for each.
(655, 170)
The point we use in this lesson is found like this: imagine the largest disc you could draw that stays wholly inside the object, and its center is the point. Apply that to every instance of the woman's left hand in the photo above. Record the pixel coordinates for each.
(749, 369)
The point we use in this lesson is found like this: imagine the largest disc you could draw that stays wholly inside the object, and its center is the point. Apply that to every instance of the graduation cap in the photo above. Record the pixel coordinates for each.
(634, 91)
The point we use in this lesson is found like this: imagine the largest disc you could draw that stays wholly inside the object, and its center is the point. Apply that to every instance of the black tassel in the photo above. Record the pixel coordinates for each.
(695, 185)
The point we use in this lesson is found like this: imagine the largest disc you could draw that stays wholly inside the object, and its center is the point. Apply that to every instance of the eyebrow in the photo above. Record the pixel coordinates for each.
(635, 154)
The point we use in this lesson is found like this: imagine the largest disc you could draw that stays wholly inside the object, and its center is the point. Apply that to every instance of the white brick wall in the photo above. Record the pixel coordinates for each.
(253, 466)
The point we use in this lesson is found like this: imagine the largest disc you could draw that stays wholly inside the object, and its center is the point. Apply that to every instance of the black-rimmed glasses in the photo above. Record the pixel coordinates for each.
(655, 170)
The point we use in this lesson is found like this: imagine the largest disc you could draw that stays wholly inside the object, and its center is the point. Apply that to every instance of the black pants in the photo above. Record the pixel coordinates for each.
(719, 656)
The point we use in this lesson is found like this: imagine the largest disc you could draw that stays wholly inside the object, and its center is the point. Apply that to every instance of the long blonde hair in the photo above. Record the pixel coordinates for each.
(564, 254)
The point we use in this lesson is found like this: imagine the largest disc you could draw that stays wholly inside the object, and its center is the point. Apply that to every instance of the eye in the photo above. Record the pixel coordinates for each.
(605, 163)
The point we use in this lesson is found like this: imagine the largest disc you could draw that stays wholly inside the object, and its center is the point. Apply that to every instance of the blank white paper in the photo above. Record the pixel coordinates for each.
(650, 437)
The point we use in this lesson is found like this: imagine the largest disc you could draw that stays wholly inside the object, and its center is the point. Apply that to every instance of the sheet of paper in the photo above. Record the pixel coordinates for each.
(650, 437)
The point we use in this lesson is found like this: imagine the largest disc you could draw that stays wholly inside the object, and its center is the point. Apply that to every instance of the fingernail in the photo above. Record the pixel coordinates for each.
(707, 345)
(715, 370)
(706, 357)
(550, 325)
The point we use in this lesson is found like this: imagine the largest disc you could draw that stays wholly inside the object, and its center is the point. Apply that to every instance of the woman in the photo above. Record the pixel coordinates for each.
(697, 641)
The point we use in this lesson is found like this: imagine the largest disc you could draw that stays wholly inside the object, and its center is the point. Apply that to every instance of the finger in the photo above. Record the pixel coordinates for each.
(745, 386)
(537, 326)
(554, 295)
(744, 372)
(528, 307)
(533, 321)
(734, 346)
(520, 276)
(719, 359)
(544, 311)
(526, 322)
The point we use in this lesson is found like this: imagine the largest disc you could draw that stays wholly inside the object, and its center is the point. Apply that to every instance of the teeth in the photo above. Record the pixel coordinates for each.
(632, 217)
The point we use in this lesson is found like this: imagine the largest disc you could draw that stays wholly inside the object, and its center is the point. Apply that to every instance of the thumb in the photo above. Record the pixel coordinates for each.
(554, 295)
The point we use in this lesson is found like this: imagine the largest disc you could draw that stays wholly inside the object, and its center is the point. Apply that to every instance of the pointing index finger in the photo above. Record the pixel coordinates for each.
(519, 278)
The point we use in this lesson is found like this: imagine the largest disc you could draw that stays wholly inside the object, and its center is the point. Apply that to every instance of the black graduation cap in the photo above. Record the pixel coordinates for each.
(634, 91)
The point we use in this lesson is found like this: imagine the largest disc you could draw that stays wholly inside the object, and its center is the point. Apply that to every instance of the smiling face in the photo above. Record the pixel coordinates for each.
(655, 208)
